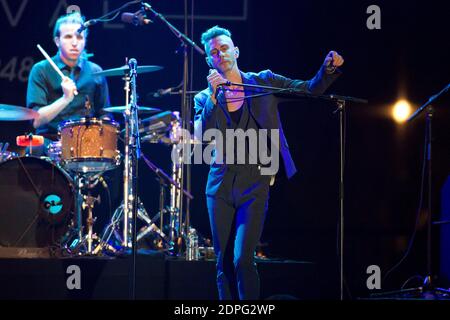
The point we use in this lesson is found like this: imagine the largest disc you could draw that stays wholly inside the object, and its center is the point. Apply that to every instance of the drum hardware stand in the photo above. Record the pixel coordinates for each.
(78, 228)
(175, 197)
(75, 240)
(88, 203)
(151, 227)
(169, 241)
(178, 173)
(113, 227)
(175, 209)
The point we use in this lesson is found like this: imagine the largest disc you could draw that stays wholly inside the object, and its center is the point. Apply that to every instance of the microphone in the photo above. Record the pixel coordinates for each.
(227, 83)
(220, 88)
(86, 25)
(137, 19)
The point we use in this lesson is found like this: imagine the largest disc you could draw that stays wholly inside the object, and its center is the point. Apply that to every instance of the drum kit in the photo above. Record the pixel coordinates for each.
(47, 201)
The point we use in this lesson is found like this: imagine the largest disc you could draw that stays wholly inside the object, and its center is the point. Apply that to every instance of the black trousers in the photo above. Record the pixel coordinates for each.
(236, 213)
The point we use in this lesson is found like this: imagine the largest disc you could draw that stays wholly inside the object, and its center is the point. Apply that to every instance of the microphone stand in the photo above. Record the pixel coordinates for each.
(428, 283)
(428, 286)
(296, 93)
(164, 176)
(185, 108)
(340, 102)
(189, 93)
(103, 18)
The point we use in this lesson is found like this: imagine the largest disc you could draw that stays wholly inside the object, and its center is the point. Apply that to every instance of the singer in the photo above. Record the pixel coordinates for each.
(237, 194)
(55, 100)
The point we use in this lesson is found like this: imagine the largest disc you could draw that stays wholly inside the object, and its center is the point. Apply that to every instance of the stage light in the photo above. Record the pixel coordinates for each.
(401, 110)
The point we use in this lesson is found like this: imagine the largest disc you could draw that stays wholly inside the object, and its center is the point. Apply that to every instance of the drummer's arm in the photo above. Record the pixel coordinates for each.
(49, 112)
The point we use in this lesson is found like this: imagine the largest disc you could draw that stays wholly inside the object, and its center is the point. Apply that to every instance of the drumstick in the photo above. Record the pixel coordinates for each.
(52, 63)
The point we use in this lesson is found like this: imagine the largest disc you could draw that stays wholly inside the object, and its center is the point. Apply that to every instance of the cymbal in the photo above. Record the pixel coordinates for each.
(163, 116)
(125, 70)
(16, 113)
(121, 109)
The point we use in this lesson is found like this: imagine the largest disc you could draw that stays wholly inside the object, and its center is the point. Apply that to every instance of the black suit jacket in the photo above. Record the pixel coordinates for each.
(264, 109)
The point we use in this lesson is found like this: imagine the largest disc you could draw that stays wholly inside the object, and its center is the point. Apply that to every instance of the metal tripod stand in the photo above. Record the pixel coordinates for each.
(113, 228)
(75, 242)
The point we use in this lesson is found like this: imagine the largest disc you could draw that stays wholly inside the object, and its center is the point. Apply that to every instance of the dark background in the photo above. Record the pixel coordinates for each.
(408, 57)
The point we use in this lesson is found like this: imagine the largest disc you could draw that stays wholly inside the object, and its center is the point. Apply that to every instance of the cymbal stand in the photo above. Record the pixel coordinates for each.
(126, 172)
(132, 154)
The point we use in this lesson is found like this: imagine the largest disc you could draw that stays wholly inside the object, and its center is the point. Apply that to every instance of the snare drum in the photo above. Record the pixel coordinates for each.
(89, 145)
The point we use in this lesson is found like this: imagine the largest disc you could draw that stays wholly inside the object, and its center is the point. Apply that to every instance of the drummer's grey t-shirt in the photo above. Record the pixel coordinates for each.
(44, 88)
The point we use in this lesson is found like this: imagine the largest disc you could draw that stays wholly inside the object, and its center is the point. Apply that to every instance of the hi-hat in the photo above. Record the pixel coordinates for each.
(124, 70)
(121, 109)
(15, 113)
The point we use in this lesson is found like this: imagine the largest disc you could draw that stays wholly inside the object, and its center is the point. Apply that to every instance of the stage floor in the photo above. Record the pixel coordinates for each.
(158, 277)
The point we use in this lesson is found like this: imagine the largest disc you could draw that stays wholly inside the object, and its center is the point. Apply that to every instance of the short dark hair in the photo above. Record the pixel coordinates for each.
(214, 32)
(74, 17)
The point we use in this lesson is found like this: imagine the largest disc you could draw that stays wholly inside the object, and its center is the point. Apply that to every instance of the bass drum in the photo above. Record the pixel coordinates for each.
(36, 202)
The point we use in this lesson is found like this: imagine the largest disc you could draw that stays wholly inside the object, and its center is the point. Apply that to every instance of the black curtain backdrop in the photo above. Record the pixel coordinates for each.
(407, 57)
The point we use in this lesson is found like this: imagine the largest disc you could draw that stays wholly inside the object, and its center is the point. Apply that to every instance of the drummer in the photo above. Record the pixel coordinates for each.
(55, 100)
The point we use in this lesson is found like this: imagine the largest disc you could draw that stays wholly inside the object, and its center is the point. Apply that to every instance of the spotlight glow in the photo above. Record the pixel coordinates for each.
(401, 110)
